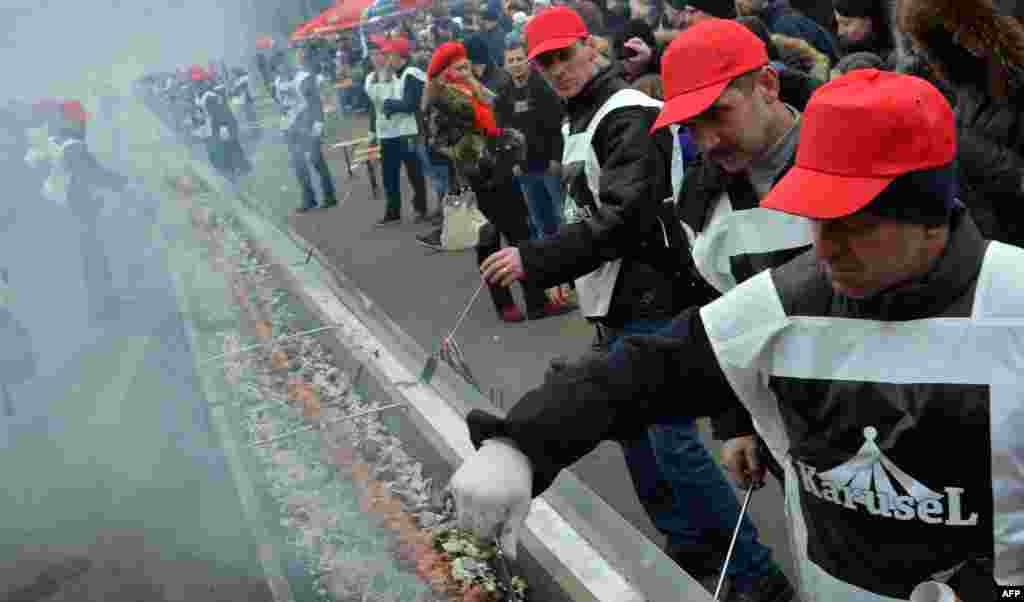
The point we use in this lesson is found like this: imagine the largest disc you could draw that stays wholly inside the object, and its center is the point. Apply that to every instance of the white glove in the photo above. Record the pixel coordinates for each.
(225, 133)
(933, 591)
(493, 490)
(318, 129)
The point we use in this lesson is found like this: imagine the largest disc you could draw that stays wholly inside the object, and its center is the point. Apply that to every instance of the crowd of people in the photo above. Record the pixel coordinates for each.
(808, 218)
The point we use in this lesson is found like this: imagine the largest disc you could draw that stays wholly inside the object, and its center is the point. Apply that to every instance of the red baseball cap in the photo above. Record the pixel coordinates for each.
(400, 46)
(73, 112)
(554, 29)
(699, 64)
(860, 132)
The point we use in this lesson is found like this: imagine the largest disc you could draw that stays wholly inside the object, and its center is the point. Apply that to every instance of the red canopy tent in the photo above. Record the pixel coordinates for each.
(343, 15)
(347, 14)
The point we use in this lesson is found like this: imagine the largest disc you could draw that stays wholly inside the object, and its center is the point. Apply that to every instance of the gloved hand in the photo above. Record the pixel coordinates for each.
(493, 489)
(933, 591)
(225, 133)
(318, 129)
(740, 458)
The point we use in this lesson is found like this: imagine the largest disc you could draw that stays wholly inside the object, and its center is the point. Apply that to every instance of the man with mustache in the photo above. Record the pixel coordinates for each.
(883, 368)
(618, 245)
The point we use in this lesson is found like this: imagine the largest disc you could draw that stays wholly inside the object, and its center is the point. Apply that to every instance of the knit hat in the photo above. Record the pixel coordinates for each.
(445, 55)
(723, 9)
(863, 136)
(477, 50)
(856, 8)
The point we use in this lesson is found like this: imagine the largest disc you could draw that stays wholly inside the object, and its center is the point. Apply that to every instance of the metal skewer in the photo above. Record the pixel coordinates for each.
(732, 544)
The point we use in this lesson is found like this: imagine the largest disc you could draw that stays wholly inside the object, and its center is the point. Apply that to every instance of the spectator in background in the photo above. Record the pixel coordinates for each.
(781, 18)
(857, 60)
(637, 51)
(593, 17)
(395, 89)
(795, 86)
(303, 125)
(528, 104)
(981, 62)
(677, 15)
(864, 26)
(463, 127)
(616, 15)
(494, 26)
(790, 53)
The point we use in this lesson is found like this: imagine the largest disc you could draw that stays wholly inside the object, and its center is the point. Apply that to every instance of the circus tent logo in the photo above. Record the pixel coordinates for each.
(870, 481)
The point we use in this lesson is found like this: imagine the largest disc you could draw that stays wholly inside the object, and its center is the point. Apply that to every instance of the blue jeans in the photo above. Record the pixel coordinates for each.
(437, 173)
(544, 201)
(703, 509)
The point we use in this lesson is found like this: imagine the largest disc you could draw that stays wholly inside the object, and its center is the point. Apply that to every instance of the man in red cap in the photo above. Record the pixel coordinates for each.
(395, 90)
(303, 125)
(718, 82)
(900, 329)
(629, 279)
(75, 176)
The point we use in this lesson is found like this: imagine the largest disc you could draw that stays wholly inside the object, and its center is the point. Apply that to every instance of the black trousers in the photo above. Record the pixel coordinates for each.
(504, 207)
(299, 145)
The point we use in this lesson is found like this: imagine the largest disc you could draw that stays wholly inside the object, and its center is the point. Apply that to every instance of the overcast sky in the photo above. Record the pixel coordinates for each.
(49, 44)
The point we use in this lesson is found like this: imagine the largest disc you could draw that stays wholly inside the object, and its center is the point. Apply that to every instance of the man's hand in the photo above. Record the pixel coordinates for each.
(503, 268)
(559, 294)
(493, 489)
(739, 456)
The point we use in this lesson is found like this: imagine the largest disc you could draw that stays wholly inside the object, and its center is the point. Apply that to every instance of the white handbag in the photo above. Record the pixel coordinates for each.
(462, 221)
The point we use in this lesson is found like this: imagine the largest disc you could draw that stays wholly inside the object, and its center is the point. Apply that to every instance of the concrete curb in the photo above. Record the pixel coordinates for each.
(587, 548)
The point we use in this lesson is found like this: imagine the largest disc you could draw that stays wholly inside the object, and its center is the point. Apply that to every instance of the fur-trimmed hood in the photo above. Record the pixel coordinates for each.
(950, 34)
(798, 54)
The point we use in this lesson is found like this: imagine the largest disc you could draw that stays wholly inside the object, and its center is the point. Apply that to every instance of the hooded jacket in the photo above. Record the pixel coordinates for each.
(897, 418)
(781, 18)
(990, 130)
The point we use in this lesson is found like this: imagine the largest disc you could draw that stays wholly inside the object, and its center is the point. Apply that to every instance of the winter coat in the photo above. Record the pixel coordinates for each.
(781, 18)
(537, 112)
(798, 54)
(990, 130)
(635, 181)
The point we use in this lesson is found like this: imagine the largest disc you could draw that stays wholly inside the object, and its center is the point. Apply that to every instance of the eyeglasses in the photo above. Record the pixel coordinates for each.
(548, 59)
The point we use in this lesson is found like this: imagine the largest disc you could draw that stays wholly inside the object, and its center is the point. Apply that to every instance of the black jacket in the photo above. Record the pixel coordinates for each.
(536, 111)
(635, 182)
(990, 154)
(86, 175)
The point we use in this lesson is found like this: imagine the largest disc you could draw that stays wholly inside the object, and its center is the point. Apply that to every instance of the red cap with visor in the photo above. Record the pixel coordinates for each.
(554, 29)
(860, 132)
(701, 62)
